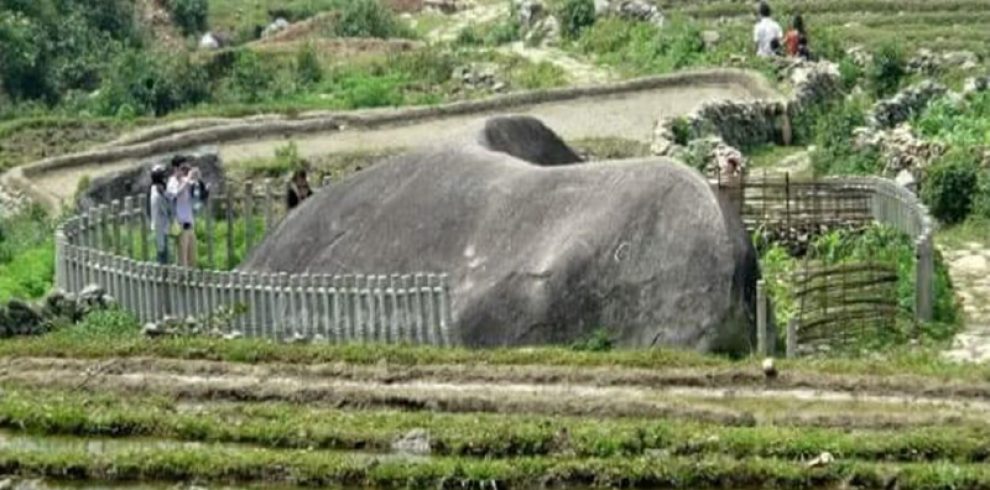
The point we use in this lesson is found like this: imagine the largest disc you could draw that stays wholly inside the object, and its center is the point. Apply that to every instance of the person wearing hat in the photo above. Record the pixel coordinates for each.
(180, 191)
(160, 212)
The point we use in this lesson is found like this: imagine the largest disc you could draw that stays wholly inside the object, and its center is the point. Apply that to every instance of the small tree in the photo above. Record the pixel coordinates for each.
(950, 186)
(309, 71)
(190, 15)
(576, 16)
(887, 70)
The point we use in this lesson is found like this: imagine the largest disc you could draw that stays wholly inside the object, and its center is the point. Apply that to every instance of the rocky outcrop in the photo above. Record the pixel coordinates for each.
(888, 113)
(539, 253)
(136, 180)
(19, 317)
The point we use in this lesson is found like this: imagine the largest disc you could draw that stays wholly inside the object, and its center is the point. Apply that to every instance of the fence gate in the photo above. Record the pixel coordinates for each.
(840, 305)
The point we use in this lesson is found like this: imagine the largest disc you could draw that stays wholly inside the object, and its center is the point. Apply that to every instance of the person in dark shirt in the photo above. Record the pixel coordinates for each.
(298, 189)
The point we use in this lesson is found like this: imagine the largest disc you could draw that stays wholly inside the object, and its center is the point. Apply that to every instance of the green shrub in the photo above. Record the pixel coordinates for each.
(834, 154)
(190, 15)
(981, 201)
(470, 36)
(147, 83)
(287, 157)
(598, 341)
(535, 76)
(643, 48)
(887, 70)
(950, 185)
(250, 80)
(368, 18)
(576, 16)
(309, 71)
(681, 128)
(504, 32)
(849, 73)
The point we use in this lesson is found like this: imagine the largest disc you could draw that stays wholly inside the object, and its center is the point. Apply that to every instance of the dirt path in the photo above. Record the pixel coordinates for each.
(969, 268)
(628, 116)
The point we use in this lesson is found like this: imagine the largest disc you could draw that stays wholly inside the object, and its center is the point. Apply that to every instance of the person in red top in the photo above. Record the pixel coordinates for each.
(794, 37)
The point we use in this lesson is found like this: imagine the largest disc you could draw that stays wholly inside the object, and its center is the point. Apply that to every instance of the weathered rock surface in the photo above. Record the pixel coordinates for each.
(899, 148)
(539, 253)
(136, 180)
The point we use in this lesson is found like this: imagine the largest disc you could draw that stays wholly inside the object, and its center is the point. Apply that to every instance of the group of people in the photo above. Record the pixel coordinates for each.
(771, 40)
(176, 195)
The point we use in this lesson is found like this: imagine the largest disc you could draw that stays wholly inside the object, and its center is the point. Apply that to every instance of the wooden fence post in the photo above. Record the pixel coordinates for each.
(269, 204)
(248, 217)
(211, 211)
(230, 226)
(143, 225)
(115, 212)
(761, 318)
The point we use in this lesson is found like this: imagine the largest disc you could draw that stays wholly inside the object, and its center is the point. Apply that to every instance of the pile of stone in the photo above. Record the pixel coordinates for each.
(11, 202)
(638, 10)
(927, 62)
(713, 156)
(539, 27)
(277, 26)
(889, 113)
(859, 55)
(901, 150)
(813, 82)
(19, 317)
(479, 77)
(445, 7)
(976, 84)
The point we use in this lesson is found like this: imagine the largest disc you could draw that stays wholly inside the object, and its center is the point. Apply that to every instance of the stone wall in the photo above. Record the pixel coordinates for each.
(888, 113)
(748, 124)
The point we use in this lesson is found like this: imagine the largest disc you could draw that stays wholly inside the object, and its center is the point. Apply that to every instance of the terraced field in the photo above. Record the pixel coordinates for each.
(230, 413)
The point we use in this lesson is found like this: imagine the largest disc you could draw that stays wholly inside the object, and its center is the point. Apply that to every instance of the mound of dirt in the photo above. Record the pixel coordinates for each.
(539, 254)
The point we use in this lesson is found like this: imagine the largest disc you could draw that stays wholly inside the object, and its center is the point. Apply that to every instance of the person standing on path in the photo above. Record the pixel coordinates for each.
(766, 33)
(160, 211)
(180, 190)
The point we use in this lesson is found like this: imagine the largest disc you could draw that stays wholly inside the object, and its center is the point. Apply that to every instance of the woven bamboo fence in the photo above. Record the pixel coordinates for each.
(111, 246)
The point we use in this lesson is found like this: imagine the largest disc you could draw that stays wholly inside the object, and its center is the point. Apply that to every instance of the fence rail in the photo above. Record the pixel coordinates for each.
(109, 246)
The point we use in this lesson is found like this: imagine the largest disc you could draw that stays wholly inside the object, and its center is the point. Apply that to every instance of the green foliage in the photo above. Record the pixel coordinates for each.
(850, 73)
(51, 47)
(503, 32)
(368, 18)
(27, 261)
(189, 15)
(309, 71)
(576, 16)
(287, 157)
(642, 48)
(834, 154)
(887, 71)
(950, 185)
(598, 341)
(535, 76)
(957, 123)
(145, 83)
(250, 80)
(107, 325)
(682, 131)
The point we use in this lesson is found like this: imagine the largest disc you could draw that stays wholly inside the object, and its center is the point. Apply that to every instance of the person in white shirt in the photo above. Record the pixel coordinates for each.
(766, 33)
(179, 190)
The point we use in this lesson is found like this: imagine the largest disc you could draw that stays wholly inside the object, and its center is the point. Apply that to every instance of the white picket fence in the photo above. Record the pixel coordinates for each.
(108, 246)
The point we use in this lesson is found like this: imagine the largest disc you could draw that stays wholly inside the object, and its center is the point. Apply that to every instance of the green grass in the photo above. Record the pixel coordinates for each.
(314, 468)
(27, 260)
(769, 156)
(44, 412)
(88, 342)
(974, 230)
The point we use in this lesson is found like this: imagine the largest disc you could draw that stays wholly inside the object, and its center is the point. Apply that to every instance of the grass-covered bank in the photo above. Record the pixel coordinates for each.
(107, 335)
(45, 412)
(315, 468)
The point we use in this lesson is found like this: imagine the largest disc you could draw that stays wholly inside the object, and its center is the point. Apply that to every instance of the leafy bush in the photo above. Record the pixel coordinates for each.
(470, 36)
(642, 48)
(287, 157)
(146, 83)
(189, 15)
(598, 341)
(309, 71)
(958, 123)
(503, 32)
(849, 73)
(887, 70)
(250, 80)
(950, 185)
(27, 261)
(833, 132)
(576, 16)
(535, 76)
(368, 18)
(682, 131)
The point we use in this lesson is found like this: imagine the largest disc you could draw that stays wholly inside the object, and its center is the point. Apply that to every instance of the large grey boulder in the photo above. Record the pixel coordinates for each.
(539, 253)
(136, 180)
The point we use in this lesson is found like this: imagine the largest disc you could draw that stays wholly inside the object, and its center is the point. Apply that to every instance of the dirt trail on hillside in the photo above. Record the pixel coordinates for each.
(969, 267)
(713, 396)
(629, 116)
